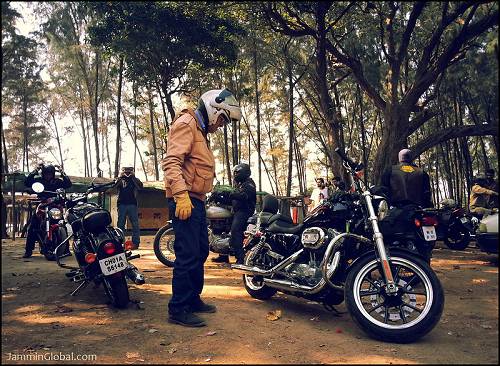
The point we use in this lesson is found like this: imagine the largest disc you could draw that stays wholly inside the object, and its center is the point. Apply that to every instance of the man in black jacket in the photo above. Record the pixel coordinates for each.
(406, 183)
(51, 184)
(128, 185)
(243, 201)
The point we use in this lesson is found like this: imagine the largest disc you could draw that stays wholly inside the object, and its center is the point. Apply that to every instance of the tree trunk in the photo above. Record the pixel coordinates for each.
(153, 134)
(58, 140)
(5, 163)
(84, 136)
(170, 105)
(95, 119)
(25, 134)
(257, 111)
(290, 132)
(134, 138)
(118, 114)
(392, 141)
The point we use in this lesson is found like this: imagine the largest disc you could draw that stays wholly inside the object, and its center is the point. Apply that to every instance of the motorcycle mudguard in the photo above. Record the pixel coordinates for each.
(390, 252)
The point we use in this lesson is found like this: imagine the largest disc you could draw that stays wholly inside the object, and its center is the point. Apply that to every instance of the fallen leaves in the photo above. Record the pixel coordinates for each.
(63, 309)
(273, 315)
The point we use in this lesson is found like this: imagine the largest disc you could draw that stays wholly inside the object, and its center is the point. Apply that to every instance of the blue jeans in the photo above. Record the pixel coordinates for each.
(132, 212)
(191, 252)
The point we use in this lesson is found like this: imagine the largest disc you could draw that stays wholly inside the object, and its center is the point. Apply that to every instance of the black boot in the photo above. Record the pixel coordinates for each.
(221, 259)
(201, 307)
(27, 254)
(186, 319)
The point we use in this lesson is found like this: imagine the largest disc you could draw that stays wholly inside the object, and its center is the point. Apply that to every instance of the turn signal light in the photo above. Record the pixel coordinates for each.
(129, 245)
(109, 248)
(90, 258)
(418, 223)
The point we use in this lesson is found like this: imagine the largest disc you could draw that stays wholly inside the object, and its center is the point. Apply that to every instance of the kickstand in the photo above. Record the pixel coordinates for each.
(332, 309)
(83, 284)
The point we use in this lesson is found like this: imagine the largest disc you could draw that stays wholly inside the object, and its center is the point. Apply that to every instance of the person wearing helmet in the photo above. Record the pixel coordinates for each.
(480, 197)
(406, 183)
(243, 202)
(189, 170)
(47, 176)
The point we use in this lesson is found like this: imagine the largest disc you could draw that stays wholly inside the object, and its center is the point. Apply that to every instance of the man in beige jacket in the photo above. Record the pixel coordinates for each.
(189, 169)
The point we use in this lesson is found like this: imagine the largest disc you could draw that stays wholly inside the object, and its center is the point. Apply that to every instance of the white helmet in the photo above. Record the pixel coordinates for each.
(219, 102)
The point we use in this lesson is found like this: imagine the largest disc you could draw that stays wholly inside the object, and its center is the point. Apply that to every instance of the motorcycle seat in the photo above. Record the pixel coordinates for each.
(280, 217)
(284, 227)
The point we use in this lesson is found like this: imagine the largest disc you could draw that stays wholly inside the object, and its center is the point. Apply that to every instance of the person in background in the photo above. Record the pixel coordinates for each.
(128, 185)
(51, 184)
(480, 196)
(492, 184)
(319, 193)
(406, 183)
(243, 203)
(189, 170)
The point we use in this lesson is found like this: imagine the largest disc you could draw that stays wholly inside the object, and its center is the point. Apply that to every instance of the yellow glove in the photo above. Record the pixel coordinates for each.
(183, 206)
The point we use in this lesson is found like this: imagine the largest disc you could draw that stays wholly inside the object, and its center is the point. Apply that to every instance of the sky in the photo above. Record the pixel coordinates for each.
(72, 144)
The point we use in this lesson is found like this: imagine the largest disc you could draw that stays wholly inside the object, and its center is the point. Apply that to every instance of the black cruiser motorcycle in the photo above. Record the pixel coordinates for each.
(100, 249)
(391, 293)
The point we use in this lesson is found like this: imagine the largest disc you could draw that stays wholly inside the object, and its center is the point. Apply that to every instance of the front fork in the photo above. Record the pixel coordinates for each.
(378, 238)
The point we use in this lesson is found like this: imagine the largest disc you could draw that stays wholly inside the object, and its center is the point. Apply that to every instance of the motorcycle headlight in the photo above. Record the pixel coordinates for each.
(55, 213)
(313, 237)
(382, 209)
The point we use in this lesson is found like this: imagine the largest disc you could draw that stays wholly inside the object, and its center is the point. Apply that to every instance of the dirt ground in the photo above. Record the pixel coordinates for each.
(41, 319)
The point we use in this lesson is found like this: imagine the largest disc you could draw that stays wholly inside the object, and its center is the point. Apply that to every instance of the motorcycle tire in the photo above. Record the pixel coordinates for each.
(57, 238)
(254, 284)
(117, 291)
(157, 246)
(458, 239)
(382, 324)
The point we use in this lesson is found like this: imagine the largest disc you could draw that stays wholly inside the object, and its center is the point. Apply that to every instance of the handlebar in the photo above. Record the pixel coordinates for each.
(352, 165)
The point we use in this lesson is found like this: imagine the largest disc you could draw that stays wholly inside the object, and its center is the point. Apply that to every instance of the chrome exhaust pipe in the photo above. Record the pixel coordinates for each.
(255, 271)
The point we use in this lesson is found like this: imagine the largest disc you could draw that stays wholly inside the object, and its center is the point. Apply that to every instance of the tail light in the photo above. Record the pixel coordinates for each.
(418, 223)
(109, 248)
(90, 258)
(128, 245)
(429, 221)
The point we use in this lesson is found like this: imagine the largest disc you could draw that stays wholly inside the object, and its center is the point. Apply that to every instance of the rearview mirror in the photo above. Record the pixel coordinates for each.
(37, 187)
(103, 166)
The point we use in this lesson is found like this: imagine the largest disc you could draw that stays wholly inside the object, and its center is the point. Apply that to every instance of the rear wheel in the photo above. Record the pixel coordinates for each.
(117, 291)
(458, 238)
(255, 284)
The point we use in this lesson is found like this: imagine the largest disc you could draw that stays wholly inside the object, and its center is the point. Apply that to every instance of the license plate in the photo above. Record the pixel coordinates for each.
(429, 233)
(113, 264)
(463, 220)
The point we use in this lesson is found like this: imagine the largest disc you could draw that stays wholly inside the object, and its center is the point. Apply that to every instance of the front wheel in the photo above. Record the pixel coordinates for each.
(117, 291)
(163, 245)
(458, 238)
(402, 317)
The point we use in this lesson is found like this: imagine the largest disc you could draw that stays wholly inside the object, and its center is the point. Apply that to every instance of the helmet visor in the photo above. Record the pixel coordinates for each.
(228, 97)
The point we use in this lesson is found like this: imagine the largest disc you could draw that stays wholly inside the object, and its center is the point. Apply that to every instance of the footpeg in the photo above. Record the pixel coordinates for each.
(133, 274)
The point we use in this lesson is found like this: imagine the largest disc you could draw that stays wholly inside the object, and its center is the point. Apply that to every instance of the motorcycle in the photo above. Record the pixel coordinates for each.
(455, 228)
(219, 219)
(100, 249)
(391, 293)
(52, 230)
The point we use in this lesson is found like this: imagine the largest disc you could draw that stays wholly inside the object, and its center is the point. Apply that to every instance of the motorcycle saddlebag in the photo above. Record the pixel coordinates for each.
(96, 220)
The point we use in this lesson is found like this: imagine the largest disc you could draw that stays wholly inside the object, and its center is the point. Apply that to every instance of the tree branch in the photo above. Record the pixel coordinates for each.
(452, 133)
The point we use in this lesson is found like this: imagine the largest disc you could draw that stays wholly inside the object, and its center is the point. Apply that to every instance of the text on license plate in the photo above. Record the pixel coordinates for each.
(429, 233)
(113, 264)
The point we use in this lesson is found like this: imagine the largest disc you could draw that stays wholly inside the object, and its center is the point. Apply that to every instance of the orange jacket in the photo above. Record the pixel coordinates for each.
(189, 164)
